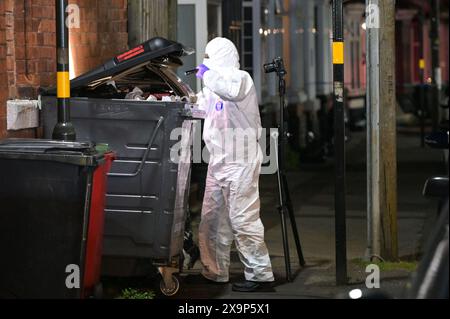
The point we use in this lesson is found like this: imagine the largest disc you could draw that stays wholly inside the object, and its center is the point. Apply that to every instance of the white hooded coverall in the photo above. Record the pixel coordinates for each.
(231, 204)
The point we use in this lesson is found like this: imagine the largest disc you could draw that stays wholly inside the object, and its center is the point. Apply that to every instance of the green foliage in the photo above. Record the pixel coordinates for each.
(389, 266)
(130, 293)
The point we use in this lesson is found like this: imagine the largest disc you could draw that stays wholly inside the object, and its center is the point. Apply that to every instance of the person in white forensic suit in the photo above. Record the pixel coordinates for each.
(231, 205)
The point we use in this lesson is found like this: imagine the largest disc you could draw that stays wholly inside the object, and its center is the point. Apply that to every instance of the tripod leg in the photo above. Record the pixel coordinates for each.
(281, 210)
(293, 222)
(287, 258)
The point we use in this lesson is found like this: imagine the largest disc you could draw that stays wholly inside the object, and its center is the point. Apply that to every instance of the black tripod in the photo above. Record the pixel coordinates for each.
(285, 204)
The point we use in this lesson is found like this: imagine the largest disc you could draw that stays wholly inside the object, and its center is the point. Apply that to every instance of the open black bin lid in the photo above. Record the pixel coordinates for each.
(158, 50)
(76, 153)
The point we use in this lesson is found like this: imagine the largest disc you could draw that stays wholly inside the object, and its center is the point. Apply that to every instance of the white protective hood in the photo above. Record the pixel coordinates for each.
(222, 53)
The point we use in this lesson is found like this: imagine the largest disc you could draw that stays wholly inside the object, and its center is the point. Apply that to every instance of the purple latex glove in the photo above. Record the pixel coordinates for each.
(201, 71)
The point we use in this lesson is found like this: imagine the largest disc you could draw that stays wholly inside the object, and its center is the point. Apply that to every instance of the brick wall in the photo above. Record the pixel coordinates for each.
(3, 75)
(12, 61)
(102, 34)
(28, 45)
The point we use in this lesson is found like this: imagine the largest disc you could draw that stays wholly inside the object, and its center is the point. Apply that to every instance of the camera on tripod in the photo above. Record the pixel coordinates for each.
(285, 207)
(277, 65)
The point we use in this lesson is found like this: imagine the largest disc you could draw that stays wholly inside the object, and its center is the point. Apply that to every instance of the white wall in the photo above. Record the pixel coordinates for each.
(201, 27)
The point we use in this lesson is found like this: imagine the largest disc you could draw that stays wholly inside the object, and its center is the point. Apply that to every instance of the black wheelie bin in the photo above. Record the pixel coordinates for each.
(51, 218)
(135, 103)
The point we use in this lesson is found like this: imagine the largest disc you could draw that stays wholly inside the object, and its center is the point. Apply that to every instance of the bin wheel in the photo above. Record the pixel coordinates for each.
(172, 290)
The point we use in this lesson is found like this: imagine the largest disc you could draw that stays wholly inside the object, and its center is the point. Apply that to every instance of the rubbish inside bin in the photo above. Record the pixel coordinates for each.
(136, 94)
(139, 95)
(137, 84)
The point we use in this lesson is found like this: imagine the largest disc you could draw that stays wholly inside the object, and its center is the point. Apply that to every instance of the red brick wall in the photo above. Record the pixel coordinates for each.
(28, 45)
(3, 75)
(103, 33)
(14, 82)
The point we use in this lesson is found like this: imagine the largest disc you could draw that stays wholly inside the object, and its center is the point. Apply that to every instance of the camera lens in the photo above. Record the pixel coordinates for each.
(269, 67)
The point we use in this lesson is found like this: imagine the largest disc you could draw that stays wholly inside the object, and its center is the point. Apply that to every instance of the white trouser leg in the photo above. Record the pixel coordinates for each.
(247, 227)
(215, 234)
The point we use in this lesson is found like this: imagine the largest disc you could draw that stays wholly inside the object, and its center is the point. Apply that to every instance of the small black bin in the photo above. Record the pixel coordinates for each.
(45, 190)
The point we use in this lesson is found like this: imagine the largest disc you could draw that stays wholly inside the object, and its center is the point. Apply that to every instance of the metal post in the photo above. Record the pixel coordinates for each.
(435, 61)
(64, 129)
(339, 142)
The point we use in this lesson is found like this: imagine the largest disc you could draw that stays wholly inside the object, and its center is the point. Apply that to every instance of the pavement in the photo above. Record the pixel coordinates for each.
(312, 192)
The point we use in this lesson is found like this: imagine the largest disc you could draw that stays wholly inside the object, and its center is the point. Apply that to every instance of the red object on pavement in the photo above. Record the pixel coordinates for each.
(96, 225)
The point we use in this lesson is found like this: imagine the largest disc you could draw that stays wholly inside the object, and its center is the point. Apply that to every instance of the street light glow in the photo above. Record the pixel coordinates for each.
(355, 294)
